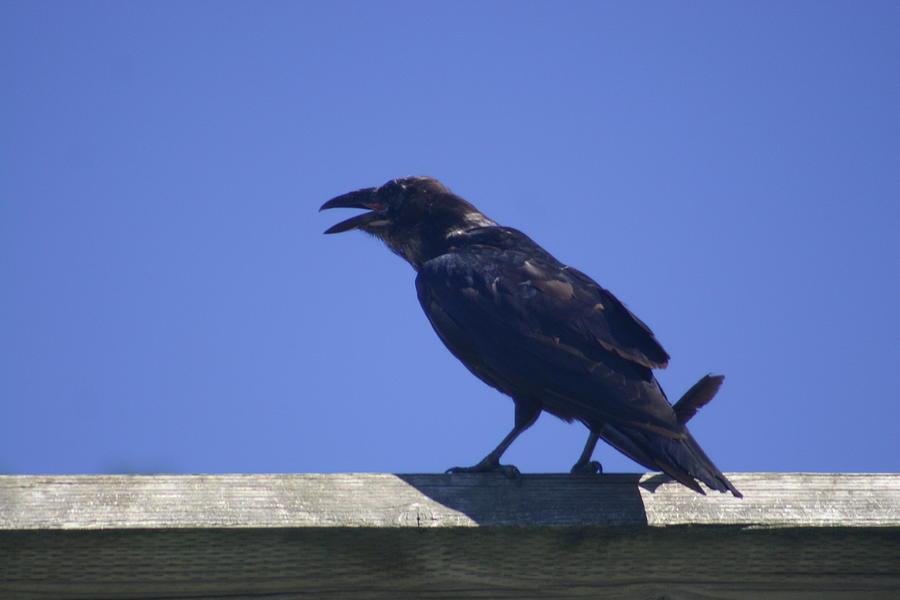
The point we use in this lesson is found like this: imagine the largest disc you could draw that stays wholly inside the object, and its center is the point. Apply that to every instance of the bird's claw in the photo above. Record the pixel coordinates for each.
(591, 467)
(509, 471)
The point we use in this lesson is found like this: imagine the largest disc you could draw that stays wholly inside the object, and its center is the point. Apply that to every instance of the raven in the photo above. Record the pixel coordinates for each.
(537, 330)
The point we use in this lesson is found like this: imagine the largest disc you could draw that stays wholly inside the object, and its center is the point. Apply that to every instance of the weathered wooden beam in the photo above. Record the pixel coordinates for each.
(384, 500)
(447, 536)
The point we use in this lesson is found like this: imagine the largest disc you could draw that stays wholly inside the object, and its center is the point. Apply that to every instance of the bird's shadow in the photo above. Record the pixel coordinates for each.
(652, 482)
(540, 499)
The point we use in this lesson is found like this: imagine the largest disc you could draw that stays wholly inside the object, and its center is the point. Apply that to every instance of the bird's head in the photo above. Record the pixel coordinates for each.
(414, 216)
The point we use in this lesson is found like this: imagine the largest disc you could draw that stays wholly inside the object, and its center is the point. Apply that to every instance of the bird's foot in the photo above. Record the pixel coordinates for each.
(590, 467)
(486, 466)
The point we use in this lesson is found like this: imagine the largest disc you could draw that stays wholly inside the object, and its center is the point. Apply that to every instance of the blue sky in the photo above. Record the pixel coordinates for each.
(169, 302)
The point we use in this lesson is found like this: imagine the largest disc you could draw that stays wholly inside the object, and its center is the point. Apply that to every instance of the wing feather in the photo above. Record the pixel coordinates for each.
(529, 326)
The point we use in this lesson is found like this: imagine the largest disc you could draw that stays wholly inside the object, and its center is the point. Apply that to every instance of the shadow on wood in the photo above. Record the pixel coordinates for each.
(529, 500)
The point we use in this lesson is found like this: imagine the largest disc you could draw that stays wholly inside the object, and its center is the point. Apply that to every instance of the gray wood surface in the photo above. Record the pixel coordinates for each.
(794, 535)
(384, 500)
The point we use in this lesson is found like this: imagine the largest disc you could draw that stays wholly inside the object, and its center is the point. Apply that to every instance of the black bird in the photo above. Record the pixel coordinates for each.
(539, 331)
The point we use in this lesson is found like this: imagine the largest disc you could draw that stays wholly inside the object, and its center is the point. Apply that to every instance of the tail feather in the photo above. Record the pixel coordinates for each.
(689, 456)
(697, 397)
(682, 459)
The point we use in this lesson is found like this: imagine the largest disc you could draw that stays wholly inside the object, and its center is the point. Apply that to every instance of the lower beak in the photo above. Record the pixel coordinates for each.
(364, 198)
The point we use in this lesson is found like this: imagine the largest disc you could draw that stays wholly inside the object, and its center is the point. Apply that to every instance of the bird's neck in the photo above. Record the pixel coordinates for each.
(433, 237)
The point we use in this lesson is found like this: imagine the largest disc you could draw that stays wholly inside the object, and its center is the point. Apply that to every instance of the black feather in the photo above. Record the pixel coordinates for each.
(542, 332)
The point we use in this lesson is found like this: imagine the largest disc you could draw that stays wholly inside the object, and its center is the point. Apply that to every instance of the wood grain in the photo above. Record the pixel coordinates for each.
(447, 536)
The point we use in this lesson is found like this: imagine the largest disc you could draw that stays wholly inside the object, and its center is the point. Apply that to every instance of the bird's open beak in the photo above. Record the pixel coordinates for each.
(364, 198)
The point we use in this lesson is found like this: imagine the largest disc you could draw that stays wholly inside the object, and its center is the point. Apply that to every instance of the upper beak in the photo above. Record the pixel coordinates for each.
(364, 198)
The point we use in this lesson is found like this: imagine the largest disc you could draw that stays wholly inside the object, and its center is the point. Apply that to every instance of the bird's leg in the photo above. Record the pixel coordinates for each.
(526, 415)
(586, 466)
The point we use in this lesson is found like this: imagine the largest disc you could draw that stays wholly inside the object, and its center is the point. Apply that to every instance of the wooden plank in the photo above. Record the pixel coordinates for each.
(384, 500)
(373, 536)
(460, 563)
